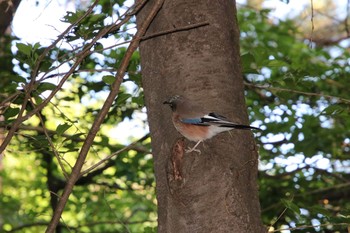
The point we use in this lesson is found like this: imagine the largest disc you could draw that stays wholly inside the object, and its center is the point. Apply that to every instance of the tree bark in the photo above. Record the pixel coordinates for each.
(215, 191)
(7, 11)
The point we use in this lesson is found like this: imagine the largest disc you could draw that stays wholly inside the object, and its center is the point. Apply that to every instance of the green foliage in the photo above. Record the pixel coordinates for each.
(299, 97)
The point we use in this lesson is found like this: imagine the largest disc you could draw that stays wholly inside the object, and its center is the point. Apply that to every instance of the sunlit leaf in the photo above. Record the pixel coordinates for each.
(61, 128)
(24, 48)
(108, 79)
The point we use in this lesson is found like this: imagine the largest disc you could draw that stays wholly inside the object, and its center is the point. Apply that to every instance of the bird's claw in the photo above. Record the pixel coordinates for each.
(189, 150)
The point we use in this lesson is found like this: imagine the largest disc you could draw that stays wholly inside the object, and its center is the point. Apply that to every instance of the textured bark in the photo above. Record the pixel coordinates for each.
(216, 190)
(7, 11)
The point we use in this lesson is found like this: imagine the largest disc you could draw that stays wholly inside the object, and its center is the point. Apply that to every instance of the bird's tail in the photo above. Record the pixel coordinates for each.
(222, 122)
(237, 126)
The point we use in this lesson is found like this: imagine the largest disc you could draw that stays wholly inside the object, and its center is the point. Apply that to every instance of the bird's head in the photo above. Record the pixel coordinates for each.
(173, 101)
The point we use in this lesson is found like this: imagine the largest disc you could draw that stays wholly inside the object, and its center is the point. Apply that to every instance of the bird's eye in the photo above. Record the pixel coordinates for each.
(173, 107)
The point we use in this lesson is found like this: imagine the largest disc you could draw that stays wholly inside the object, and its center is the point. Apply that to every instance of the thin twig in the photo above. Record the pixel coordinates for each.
(185, 28)
(280, 216)
(312, 23)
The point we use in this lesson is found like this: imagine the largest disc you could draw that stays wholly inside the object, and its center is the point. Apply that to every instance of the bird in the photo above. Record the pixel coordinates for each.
(196, 124)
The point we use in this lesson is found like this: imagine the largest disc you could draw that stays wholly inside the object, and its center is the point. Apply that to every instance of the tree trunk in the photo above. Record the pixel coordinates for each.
(215, 191)
(7, 11)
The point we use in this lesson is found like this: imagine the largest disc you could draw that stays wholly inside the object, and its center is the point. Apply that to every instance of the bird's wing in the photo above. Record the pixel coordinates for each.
(215, 119)
(194, 121)
(206, 120)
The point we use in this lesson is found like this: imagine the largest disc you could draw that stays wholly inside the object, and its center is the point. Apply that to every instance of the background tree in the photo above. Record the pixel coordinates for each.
(296, 90)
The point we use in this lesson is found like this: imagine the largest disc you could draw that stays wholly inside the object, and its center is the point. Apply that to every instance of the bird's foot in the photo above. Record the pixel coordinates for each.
(189, 150)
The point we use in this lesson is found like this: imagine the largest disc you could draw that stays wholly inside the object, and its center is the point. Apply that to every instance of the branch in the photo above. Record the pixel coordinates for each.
(276, 143)
(330, 97)
(282, 175)
(101, 116)
(165, 32)
(185, 28)
(323, 190)
(322, 41)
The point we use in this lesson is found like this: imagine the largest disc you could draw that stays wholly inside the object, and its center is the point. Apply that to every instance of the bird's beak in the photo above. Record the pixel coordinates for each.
(166, 102)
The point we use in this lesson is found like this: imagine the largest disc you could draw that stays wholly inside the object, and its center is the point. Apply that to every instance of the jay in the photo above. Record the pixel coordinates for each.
(196, 124)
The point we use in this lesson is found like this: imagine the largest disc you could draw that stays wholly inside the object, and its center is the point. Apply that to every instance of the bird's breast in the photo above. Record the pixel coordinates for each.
(190, 131)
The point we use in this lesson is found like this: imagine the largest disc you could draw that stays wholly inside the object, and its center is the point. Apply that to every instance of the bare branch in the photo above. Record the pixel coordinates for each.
(185, 28)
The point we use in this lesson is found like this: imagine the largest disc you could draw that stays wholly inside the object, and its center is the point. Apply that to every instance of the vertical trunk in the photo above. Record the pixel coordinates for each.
(217, 190)
(7, 11)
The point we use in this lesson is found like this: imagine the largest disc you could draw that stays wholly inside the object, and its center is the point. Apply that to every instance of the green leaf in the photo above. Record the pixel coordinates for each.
(71, 17)
(138, 100)
(11, 112)
(108, 79)
(38, 99)
(74, 137)
(45, 65)
(18, 79)
(292, 206)
(61, 128)
(98, 47)
(45, 87)
(36, 46)
(122, 97)
(97, 17)
(24, 48)
(249, 63)
(333, 110)
(150, 230)
(276, 63)
(321, 210)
